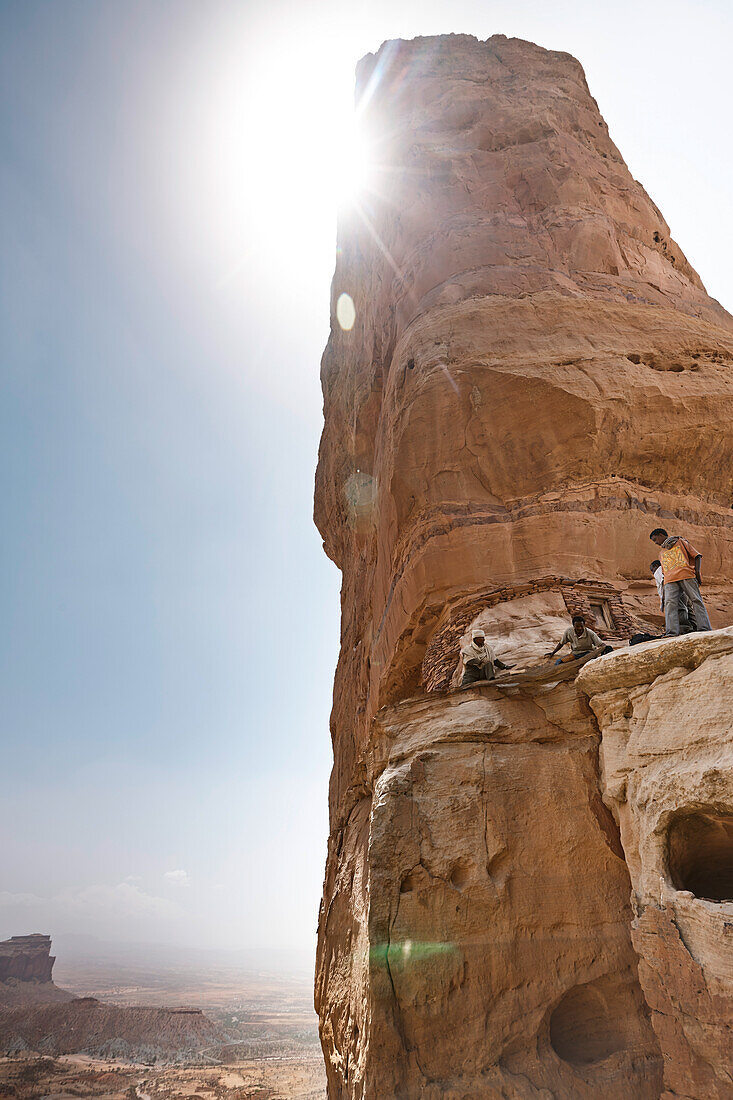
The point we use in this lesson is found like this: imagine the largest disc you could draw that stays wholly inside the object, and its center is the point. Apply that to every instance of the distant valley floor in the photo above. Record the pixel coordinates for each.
(272, 1050)
(30, 1077)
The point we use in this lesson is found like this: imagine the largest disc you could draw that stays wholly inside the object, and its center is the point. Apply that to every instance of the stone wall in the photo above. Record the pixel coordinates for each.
(440, 657)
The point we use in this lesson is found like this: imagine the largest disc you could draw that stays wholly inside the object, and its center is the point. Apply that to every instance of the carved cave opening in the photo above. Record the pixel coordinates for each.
(600, 604)
(584, 1028)
(700, 853)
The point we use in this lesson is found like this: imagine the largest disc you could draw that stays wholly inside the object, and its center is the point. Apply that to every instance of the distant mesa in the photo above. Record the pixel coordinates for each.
(87, 1026)
(26, 967)
(26, 958)
(35, 1015)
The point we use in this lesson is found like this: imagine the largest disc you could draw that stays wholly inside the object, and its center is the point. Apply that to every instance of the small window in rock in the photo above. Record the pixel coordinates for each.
(602, 614)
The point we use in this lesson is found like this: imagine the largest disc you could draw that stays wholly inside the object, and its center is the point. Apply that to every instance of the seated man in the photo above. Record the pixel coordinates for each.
(581, 640)
(681, 564)
(479, 660)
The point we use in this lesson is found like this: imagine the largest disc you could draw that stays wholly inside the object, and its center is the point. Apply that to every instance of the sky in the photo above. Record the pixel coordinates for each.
(170, 172)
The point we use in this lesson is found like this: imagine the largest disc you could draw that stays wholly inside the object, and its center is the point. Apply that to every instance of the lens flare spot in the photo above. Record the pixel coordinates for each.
(413, 951)
(345, 312)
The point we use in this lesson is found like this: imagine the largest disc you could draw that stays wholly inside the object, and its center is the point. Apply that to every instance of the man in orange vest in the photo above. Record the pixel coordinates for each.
(681, 566)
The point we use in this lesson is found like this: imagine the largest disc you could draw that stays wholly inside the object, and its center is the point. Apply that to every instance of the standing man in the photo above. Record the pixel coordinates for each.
(479, 660)
(581, 640)
(681, 564)
(687, 620)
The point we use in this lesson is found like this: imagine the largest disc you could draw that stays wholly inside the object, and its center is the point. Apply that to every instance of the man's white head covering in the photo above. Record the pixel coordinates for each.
(472, 650)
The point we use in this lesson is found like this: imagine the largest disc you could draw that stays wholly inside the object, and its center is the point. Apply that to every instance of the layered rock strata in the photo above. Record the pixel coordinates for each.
(535, 378)
(666, 717)
(85, 1025)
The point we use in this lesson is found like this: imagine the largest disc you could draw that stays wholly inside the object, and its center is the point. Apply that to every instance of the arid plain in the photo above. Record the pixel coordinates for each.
(272, 1052)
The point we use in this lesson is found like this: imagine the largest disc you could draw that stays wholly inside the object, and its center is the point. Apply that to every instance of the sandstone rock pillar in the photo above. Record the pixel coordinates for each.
(534, 378)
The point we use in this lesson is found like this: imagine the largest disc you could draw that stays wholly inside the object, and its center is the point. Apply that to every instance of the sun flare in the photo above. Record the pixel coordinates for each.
(279, 151)
(354, 167)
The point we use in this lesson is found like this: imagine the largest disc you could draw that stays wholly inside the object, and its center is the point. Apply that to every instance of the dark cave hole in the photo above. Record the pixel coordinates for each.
(409, 883)
(584, 1028)
(700, 854)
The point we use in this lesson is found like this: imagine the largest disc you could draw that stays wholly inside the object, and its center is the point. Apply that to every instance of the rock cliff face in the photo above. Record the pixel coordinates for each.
(535, 378)
(666, 715)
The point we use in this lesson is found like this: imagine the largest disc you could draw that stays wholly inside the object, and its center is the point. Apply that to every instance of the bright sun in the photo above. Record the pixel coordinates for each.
(354, 169)
(278, 151)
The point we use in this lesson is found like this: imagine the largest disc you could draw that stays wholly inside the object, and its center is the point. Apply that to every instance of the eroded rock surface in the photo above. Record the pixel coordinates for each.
(666, 716)
(534, 380)
(489, 940)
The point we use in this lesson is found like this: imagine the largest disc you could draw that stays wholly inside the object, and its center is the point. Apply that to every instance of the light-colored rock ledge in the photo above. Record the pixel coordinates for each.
(642, 664)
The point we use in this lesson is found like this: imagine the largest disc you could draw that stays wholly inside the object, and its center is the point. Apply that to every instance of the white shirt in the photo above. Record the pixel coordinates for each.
(659, 578)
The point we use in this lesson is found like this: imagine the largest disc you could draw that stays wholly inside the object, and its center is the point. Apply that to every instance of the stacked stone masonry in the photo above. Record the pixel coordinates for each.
(439, 663)
(520, 899)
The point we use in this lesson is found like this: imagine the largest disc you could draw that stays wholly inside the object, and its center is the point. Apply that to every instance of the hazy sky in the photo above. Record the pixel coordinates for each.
(168, 181)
